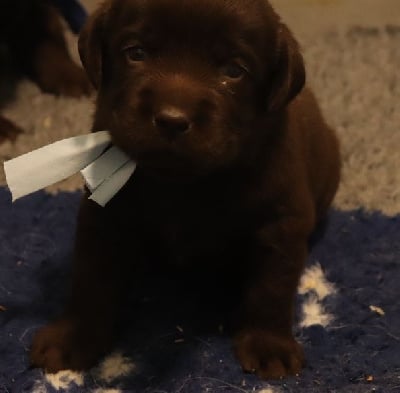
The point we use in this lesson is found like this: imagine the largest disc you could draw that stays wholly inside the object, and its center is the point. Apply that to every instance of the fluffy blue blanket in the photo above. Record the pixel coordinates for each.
(352, 345)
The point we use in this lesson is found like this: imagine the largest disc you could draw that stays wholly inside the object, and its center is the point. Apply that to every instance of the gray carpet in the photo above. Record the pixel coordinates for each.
(354, 72)
(355, 75)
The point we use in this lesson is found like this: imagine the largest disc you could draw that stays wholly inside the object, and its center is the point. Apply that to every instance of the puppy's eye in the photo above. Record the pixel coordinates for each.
(233, 70)
(135, 53)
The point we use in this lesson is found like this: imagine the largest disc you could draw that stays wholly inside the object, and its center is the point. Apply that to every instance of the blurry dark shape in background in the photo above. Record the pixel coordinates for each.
(73, 12)
(32, 44)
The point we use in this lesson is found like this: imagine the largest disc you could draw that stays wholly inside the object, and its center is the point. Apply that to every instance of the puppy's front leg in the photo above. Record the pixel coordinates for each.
(86, 329)
(264, 343)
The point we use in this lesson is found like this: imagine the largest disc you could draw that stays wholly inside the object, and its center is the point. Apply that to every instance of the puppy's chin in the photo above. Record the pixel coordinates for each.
(167, 162)
(168, 165)
(180, 167)
(182, 159)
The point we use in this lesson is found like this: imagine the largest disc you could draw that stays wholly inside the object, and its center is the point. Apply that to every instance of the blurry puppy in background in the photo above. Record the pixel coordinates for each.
(236, 166)
(32, 38)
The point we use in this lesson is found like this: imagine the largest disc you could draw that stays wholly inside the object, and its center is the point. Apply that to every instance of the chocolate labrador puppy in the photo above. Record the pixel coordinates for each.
(236, 166)
(33, 35)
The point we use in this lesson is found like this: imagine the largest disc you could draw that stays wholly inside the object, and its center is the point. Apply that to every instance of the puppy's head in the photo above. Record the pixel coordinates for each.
(186, 85)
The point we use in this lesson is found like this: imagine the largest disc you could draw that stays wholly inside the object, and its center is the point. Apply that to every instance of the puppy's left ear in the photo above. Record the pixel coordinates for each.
(288, 73)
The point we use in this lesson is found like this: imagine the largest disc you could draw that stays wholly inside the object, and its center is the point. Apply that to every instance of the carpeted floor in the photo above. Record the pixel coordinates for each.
(349, 314)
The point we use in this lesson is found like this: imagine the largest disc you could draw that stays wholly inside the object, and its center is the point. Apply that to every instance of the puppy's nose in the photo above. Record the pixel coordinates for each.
(172, 121)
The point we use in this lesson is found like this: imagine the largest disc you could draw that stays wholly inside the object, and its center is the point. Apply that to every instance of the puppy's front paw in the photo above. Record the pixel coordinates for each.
(61, 346)
(267, 354)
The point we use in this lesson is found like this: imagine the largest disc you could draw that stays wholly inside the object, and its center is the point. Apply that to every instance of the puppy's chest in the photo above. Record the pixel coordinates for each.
(193, 224)
(195, 233)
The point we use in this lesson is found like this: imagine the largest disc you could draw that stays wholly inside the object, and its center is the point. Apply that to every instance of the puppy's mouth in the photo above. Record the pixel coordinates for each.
(157, 153)
(171, 145)
(193, 154)
(167, 164)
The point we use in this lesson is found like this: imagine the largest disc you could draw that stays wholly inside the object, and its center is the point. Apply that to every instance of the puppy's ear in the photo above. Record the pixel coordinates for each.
(90, 45)
(288, 73)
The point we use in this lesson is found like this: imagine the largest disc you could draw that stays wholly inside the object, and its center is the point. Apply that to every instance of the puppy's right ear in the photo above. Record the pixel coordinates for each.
(288, 75)
(90, 45)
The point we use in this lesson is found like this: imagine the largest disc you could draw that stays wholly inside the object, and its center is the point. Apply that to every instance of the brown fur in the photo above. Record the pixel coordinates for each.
(34, 36)
(235, 169)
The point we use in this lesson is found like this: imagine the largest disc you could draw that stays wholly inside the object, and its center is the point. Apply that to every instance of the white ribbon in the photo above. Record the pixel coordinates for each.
(105, 170)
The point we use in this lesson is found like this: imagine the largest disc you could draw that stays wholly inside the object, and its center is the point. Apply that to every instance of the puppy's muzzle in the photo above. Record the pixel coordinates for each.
(172, 121)
(176, 105)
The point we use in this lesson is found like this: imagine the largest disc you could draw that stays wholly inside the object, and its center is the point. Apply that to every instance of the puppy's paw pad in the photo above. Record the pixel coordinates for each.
(268, 355)
(49, 345)
(55, 348)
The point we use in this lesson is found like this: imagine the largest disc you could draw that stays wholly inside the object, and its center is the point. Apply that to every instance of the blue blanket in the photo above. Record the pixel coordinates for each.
(356, 348)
